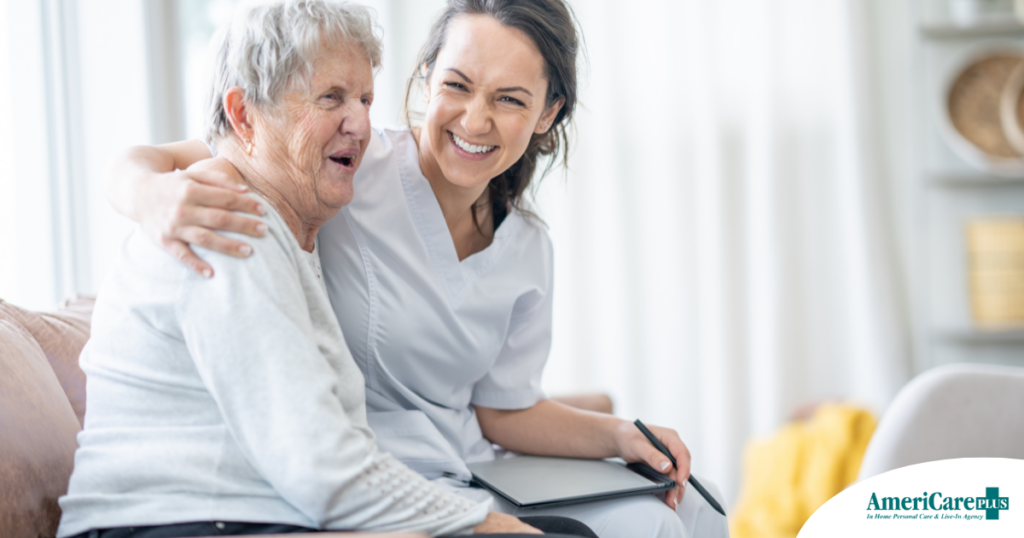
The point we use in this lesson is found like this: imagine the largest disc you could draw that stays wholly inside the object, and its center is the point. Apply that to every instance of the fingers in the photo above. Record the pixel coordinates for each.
(675, 497)
(681, 472)
(222, 220)
(187, 208)
(183, 253)
(655, 459)
(202, 210)
(633, 446)
(219, 197)
(680, 452)
(203, 237)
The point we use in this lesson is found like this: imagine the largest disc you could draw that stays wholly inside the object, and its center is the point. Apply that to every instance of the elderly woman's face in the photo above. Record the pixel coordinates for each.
(321, 131)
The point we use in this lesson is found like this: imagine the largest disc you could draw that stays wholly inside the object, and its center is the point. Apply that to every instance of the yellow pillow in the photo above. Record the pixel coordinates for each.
(789, 475)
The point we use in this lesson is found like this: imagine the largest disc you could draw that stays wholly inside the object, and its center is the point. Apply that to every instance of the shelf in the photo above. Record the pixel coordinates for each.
(1009, 27)
(973, 180)
(982, 336)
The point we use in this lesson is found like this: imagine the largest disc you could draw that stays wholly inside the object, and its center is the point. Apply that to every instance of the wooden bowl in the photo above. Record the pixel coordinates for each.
(975, 122)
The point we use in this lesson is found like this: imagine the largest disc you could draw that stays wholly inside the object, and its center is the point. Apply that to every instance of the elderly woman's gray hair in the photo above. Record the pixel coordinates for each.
(271, 47)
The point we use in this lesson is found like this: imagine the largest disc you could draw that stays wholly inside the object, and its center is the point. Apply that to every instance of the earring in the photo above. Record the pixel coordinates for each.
(248, 147)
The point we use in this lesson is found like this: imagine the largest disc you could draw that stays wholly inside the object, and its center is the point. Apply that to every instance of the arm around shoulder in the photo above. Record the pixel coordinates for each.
(129, 173)
(179, 203)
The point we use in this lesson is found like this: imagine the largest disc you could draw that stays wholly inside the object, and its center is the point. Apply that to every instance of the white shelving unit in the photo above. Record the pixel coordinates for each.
(981, 336)
(970, 181)
(950, 192)
(948, 30)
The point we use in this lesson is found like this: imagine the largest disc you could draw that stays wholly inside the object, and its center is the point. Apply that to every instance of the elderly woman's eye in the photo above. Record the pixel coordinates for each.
(456, 85)
(512, 100)
(331, 96)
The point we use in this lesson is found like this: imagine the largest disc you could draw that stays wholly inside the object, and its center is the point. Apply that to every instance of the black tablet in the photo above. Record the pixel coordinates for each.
(543, 482)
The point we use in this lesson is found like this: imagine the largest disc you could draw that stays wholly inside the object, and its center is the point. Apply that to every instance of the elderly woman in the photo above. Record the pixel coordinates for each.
(438, 272)
(233, 405)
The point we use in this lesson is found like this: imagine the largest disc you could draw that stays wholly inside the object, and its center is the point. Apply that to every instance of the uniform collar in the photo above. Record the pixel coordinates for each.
(456, 276)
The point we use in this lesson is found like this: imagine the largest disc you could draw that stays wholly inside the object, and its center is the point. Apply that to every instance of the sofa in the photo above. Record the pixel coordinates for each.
(42, 403)
(42, 409)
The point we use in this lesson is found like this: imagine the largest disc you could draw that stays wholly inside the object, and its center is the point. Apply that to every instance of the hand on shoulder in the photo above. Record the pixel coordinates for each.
(188, 207)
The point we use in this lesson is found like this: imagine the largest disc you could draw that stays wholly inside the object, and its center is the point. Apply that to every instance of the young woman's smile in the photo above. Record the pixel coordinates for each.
(470, 151)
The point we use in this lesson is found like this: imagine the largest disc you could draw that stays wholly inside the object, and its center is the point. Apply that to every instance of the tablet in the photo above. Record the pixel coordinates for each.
(543, 482)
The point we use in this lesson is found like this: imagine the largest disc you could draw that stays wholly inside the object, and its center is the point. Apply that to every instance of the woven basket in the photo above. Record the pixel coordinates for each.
(981, 109)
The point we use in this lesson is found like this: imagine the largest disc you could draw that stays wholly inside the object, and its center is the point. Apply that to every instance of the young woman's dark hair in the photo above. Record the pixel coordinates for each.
(552, 26)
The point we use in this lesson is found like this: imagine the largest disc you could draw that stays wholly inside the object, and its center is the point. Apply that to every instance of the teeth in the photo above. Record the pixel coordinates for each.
(470, 148)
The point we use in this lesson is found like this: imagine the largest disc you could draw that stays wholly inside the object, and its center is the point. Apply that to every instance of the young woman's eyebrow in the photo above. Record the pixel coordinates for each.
(516, 89)
(512, 89)
(460, 73)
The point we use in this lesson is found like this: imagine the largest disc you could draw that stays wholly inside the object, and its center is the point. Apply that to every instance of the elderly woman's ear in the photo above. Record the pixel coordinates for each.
(237, 111)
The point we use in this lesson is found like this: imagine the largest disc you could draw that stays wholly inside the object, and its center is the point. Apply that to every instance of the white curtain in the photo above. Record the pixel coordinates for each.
(727, 234)
(73, 93)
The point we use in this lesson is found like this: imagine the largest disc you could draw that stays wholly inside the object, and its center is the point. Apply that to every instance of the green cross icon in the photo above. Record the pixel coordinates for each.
(992, 494)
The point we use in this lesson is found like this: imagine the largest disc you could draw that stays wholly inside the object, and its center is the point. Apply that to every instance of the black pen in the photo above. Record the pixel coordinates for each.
(696, 485)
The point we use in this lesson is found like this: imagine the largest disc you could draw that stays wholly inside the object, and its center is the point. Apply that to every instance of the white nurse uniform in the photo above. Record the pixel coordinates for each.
(434, 335)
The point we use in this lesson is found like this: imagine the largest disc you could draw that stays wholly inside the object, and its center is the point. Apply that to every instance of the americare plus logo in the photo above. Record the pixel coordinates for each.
(955, 502)
(946, 507)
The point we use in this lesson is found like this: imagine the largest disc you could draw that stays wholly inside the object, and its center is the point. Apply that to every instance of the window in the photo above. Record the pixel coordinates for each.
(73, 91)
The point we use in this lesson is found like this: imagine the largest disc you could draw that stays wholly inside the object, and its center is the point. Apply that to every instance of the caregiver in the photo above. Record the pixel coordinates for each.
(440, 278)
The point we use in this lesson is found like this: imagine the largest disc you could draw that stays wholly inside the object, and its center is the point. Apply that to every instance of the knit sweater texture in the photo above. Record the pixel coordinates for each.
(234, 398)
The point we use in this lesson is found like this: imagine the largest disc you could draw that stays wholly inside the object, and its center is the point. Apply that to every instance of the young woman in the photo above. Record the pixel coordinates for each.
(440, 278)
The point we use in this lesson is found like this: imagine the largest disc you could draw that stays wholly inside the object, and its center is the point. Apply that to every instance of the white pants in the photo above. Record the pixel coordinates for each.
(642, 516)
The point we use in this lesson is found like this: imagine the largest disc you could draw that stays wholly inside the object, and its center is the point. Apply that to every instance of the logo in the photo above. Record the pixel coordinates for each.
(946, 507)
(992, 503)
(935, 499)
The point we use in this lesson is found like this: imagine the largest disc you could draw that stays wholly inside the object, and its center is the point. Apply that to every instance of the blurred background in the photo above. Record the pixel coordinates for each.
(769, 203)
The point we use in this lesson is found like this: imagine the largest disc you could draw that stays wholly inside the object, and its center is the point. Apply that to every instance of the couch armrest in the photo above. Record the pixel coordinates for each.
(597, 402)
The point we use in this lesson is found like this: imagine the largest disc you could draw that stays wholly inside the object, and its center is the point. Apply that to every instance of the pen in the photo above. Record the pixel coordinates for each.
(696, 485)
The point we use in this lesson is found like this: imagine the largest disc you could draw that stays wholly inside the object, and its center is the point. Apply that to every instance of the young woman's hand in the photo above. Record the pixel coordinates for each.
(185, 207)
(497, 523)
(634, 447)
